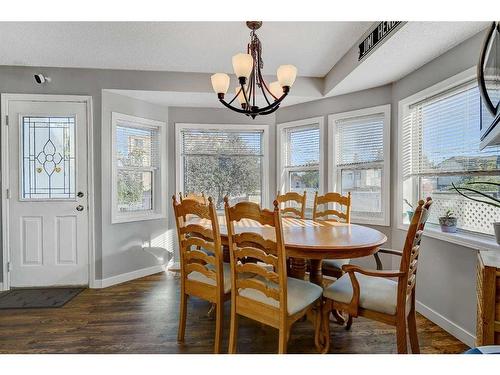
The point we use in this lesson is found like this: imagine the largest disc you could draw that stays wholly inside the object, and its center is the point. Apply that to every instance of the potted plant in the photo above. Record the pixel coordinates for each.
(448, 222)
(490, 200)
(410, 211)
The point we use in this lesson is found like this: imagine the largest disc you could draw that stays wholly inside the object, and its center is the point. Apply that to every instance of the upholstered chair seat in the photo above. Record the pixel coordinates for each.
(198, 276)
(300, 295)
(376, 293)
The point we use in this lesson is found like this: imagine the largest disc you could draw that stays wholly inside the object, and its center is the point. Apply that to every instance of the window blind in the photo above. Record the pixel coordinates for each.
(137, 147)
(218, 142)
(359, 140)
(303, 147)
(441, 135)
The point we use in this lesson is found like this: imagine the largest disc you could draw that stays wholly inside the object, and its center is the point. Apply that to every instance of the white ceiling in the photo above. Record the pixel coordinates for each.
(314, 47)
(414, 45)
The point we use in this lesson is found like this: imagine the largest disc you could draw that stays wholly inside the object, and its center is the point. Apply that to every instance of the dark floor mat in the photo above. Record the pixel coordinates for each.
(37, 298)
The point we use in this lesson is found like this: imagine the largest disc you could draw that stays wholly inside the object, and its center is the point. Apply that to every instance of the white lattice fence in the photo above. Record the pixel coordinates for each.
(472, 216)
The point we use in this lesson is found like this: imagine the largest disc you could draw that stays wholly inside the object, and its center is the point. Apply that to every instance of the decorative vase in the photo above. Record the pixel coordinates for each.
(448, 224)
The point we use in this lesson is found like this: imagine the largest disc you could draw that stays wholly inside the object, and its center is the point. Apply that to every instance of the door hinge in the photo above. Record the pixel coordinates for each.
(9, 266)
(7, 193)
(7, 120)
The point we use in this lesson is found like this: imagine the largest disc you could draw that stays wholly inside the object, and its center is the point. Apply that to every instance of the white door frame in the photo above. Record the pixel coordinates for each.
(4, 104)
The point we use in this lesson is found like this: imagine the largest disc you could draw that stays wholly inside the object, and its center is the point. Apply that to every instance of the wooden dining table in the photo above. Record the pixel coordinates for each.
(313, 240)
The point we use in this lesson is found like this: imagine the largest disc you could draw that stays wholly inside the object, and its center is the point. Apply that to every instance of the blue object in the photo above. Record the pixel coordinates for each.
(490, 349)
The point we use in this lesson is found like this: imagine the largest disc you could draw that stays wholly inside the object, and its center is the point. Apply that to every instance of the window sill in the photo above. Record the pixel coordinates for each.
(473, 241)
(131, 218)
(377, 222)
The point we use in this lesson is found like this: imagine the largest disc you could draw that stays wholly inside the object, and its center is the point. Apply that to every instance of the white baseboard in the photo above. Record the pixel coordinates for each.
(450, 327)
(118, 279)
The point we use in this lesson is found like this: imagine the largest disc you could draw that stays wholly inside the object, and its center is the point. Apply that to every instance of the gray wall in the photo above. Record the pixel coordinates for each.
(70, 81)
(122, 243)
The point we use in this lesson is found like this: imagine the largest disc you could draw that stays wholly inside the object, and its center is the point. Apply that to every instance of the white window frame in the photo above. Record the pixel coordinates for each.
(477, 241)
(282, 182)
(334, 172)
(159, 210)
(179, 171)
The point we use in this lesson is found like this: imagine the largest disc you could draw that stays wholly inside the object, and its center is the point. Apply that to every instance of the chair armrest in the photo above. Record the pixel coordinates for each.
(390, 251)
(351, 271)
(351, 268)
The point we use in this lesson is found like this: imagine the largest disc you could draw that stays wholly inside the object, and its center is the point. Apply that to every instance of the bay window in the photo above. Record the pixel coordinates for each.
(359, 161)
(138, 177)
(440, 146)
(220, 160)
(300, 157)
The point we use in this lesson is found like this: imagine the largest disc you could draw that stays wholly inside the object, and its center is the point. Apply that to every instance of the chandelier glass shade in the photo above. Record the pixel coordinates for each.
(248, 70)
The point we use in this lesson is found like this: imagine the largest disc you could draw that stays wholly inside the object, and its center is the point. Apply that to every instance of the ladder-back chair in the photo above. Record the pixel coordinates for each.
(341, 212)
(203, 274)
(293, 205)
(270, 297)
(287, 208)
(194, 196)
(374, 295)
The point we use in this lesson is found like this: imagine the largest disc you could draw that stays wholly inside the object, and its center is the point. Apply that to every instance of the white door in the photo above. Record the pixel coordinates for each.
(48, 226)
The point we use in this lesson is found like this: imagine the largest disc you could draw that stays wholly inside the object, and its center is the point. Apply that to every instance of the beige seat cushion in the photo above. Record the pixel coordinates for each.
(376, 293)
(300, 294)
(337, 263)
(197, 276)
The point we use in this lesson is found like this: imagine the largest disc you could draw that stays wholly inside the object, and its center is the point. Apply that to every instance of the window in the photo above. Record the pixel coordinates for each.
(220, 160)
(300, 161)
(138, 179)
(359, 155)
(440, 146)
(48, 164)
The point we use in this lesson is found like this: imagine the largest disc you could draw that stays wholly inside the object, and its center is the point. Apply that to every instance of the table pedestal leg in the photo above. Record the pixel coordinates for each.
(315, 274)
(297, 268)
(226, 258)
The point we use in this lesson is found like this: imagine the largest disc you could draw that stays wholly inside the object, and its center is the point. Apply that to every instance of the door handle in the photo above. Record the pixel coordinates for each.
(79, 207)
(80, 194)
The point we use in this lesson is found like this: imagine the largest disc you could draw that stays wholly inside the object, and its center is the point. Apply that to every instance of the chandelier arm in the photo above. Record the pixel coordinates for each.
(233, 108)
(263, 85)
(276, 103)
(249, 91)
(245, 95)
(270, 111)
(254, 87)
(233, 99)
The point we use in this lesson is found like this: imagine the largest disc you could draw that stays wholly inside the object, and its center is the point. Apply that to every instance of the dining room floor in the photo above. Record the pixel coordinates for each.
(141, 316)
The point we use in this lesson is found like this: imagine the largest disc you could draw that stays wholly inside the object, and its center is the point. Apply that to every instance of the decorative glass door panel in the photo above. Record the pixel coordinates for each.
(48, 158)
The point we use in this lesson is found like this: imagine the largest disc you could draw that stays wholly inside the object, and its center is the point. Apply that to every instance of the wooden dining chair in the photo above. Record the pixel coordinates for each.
(203, 274)
(374, 295)
(292, 204)
(341, 213)
(199, 197)
(270, 297)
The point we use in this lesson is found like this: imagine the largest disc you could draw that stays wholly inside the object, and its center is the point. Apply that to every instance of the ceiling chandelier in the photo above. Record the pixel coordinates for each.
(248, 69)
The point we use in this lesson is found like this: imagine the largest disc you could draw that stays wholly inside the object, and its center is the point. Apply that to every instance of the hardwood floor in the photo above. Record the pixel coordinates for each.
(141, 317)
